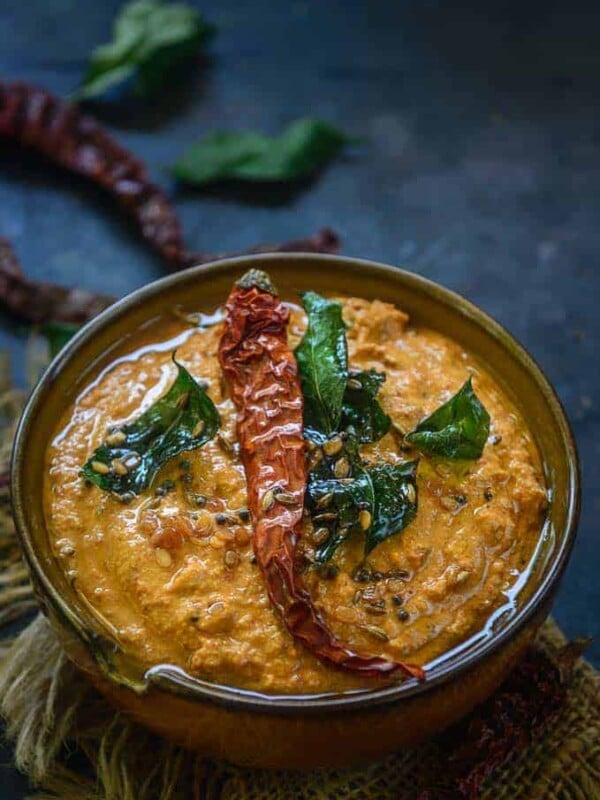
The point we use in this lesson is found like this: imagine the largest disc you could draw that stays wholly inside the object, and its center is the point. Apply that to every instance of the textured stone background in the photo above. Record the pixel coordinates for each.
(480, 169)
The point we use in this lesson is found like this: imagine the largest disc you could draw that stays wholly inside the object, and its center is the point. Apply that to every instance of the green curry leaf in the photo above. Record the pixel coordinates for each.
(341, 411)
(150, 39)
(322, 358)
(387, 492)
(345, 498)
(303, 148)
(361, 411)
(457, 429)
(185, 418)
(395, 501)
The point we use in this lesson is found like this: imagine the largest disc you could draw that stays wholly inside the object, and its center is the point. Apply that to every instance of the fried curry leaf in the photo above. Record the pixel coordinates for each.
(386, 494)
(345, 499)
(395, 500)
(303, 148)
(185, 418)
(333, 399)
(457, 429)
(150, 39)
(361, 411)
(57, 334)
(341, 411)
(322, 358)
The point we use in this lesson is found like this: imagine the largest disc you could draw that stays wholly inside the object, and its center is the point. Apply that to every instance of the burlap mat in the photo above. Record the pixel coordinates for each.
(73, 746)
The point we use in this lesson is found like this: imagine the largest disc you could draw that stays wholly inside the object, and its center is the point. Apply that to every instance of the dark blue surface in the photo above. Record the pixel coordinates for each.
(480, 169)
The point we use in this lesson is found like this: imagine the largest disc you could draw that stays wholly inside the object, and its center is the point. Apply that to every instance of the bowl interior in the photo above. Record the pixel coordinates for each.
(205, 288)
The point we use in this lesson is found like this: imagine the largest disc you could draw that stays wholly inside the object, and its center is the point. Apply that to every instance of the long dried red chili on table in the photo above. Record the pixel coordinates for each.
(34, 118)
(40, 301)
(263, 378)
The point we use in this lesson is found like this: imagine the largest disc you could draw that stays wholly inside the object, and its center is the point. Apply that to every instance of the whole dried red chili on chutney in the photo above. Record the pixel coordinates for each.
(263, 378)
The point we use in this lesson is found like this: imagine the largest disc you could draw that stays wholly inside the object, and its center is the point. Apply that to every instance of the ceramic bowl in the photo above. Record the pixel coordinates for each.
(296, 731)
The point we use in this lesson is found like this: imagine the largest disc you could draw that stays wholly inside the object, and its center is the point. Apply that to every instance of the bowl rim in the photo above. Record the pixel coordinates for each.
(175, 680)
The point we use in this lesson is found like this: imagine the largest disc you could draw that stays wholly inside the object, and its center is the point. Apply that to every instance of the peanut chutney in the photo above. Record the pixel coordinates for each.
(172, 570)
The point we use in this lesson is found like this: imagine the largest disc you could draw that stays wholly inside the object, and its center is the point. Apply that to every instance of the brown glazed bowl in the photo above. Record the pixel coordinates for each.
(296, 731)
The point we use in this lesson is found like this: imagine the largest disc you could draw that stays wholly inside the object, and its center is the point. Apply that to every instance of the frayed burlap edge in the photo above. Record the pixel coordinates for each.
(73, 746)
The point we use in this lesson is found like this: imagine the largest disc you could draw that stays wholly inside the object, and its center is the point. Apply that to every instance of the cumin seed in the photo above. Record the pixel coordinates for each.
(116, 438)
(341, 468)
(377, 632)
(324, 501)
(410, 493)
(333, 446)
(100, 467)
(224, 443)
(268, 500)
(285, 498)
(320, 535)
(182, 400)
(326, 516)
(198, 429)
(375, 611)
(119, 467)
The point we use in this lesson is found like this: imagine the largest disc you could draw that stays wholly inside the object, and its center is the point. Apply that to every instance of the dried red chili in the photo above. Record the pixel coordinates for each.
(35, 301)
(507, 723)
(34, 118)
(40, 301)
(325, 241)
(265, 387)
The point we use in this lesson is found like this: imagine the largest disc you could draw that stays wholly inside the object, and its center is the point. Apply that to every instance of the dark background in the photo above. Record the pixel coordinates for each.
(480, 169)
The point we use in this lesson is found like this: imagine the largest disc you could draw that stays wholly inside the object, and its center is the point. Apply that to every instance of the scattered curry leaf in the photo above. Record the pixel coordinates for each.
(303, 148)
(361, 411)
(322, 358)
(185, 418)
(150, 39)
(57, 334)
(457, 429)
